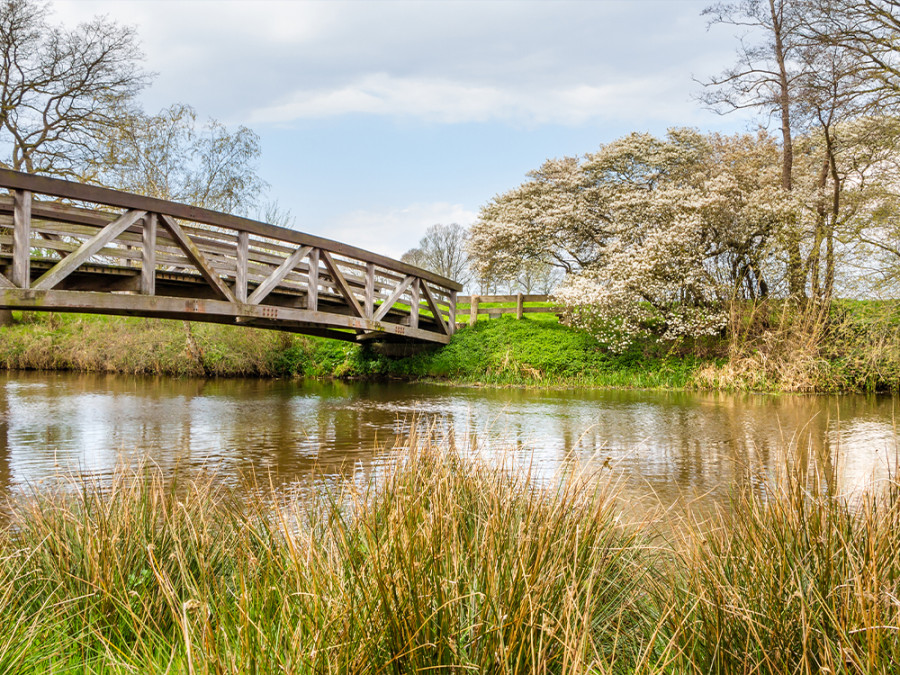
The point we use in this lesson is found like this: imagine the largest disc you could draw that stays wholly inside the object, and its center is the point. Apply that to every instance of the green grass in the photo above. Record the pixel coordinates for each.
(793, 580)
(538, 351)
(445, 564)
(850, 345)
(534, 351)
(853, 347)
(96, 343)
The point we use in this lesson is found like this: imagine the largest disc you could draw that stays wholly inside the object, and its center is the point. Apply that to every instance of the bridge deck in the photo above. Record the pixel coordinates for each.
(80, 248)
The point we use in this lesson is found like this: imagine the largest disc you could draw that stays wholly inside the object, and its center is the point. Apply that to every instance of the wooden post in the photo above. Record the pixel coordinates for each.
(414, 304)
(240, 273)
(369, 308)
(473, 309)
(312, 287)
(520, 305)
(21, 248)
(148, 255)
(452, 312)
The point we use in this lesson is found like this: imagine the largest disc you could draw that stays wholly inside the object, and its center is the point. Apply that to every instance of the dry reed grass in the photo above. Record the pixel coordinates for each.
(783, 346)
(445, 564)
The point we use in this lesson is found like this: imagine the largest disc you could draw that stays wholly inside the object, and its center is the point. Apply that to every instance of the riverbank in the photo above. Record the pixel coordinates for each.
(859, 352)
(448, 564)
(530, 352)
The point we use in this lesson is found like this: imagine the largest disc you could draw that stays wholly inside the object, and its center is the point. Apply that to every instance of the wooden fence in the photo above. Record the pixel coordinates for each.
(523, 305)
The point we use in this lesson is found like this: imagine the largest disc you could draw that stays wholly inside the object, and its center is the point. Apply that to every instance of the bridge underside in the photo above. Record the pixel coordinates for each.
(104, 289)
(83, 248)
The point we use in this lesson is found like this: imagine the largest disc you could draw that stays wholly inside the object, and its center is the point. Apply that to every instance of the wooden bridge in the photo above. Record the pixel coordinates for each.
(72, 247)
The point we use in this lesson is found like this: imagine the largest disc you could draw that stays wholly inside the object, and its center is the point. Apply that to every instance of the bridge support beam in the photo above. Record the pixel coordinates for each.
(312, 289)
(452, 312)
(148, 255)
(242, 257)
(369, 307)
(21, 263)
(414, 304)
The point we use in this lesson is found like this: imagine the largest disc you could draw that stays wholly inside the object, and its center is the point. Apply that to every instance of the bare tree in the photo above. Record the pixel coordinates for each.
(538, 277)
(172, 156)
(414, 256)
(272, 212)
(869, 29)
(62, 90)
(833, 91)
(442, 250)
(817, 65)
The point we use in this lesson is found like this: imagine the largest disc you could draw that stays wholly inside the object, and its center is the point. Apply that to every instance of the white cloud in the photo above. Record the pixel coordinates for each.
(448, 101)
(447, 62)
(394, 231)
(532, 79)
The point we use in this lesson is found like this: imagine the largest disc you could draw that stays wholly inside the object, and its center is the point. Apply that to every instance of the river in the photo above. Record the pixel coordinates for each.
(674, 445)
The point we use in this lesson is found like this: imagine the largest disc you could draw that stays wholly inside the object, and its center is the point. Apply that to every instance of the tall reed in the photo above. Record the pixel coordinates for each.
(792, 580)
(443, 564)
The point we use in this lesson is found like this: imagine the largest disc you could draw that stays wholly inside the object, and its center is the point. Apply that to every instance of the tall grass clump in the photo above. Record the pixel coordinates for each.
(486, 571)
(102, 575)
(792, 580)
(842, 345)
(446, 564)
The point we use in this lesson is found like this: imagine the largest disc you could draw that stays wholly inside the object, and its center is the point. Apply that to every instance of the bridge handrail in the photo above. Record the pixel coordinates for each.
(55, 187)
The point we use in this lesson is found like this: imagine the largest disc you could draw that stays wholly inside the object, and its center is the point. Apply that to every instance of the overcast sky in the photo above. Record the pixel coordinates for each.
(378, 119)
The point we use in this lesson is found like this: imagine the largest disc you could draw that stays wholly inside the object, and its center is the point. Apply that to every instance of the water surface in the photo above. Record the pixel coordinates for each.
(675, 445)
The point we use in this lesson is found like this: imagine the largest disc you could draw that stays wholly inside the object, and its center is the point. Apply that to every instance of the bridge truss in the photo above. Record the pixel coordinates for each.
(72, 247)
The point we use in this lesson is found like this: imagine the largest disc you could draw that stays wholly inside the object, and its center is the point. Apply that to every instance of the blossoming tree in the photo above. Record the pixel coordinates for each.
(655, 235)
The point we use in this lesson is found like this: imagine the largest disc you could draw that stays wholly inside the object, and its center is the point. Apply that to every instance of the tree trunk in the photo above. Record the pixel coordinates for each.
(832, 224)
(813, 263)
(796, 277)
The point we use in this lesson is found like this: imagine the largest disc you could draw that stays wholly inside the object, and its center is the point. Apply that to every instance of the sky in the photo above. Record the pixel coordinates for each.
(379, 119)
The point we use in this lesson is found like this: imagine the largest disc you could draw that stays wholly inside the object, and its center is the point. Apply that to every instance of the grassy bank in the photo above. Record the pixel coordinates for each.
(93, 343)
(447, 565)
(501, 352)
(855, 346)
(534, 352)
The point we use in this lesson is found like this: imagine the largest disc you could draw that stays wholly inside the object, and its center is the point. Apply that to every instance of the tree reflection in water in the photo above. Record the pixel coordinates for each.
(679, 446)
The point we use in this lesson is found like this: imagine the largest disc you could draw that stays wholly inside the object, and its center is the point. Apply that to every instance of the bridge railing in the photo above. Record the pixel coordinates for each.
(58, 237)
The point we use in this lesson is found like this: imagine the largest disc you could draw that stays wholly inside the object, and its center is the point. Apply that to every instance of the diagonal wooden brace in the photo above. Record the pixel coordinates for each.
(342, 284)
(270, 282)
(74, 260)
(6, 283)
(432, 305)
(196, 257)
(385, 306)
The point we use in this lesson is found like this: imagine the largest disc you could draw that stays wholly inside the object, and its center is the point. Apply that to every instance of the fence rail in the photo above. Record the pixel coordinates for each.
(522, 305)
(74, 247)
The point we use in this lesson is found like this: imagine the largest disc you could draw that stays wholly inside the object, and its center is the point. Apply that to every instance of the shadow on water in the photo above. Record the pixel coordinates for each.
(676, 445)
